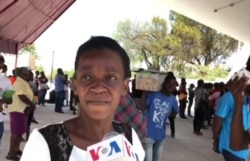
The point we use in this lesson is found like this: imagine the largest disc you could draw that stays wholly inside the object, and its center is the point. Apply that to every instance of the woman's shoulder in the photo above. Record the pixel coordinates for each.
(50, 127)
(57, 139)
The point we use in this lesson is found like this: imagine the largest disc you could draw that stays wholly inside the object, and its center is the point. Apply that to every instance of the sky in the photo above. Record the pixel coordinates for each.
(86, 18)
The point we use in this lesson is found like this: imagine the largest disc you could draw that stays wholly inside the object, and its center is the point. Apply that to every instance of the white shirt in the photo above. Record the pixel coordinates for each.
(36, 149)
(5, 85)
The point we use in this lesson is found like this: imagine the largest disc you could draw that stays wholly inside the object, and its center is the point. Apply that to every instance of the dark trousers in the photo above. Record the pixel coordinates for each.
(211, 113)
(206, 115)
(1, 130)
(59, 101)
(230, 157)
(198, 120)
(30, 118)
(41, 96)
(172, 124)
(190, 103)
(183, 105)
(71, 99)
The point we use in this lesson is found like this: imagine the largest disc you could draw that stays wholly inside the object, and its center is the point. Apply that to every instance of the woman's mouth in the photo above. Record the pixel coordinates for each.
(97, 102)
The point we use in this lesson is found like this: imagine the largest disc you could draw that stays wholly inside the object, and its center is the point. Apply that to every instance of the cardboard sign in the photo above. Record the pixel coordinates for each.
(149, 80)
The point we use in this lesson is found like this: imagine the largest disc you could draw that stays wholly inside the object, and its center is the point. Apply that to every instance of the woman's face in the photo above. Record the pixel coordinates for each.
(99, 83)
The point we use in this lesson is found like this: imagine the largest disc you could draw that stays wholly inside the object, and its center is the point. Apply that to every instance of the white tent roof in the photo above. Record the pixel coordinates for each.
(231, 17)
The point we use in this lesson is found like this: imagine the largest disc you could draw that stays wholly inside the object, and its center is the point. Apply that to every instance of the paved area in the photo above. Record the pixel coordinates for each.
(184, 147)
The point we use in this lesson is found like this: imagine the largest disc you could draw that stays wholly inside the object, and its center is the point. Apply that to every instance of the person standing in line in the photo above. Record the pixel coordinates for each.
(36, 78)
(182, 95)
(201, 100)
(66, 90)
(72, 97)
(157, 107)
(222, 124)
(190, 98)
(240, 127)
(19, 110)
(214, 99)
(31, 117)
(4, 73)
(172, 115)
(231, 120)
(59, 90)
(5, 85)
(42, 88)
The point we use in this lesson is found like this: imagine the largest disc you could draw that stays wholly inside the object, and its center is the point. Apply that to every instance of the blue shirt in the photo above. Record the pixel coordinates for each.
(225, 110)
(59, 83)
(160, 107)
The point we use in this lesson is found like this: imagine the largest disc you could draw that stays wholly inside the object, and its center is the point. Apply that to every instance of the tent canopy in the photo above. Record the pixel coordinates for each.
(226, 16)
(23, 21)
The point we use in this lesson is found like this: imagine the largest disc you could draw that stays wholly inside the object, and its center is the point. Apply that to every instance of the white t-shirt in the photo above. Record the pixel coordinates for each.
(36, 149)
(5, 85)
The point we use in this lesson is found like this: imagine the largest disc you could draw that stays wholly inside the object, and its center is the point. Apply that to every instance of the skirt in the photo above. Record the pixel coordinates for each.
(18, 123)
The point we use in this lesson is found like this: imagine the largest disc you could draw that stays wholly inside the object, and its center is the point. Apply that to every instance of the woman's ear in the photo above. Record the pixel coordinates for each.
(125, 87)
(74, 86)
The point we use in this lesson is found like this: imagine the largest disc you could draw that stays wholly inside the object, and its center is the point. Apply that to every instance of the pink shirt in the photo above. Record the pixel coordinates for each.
(214, 98)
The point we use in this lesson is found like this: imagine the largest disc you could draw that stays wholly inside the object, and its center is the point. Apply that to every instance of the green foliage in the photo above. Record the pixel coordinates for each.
(199, 44)
(70, 73)
(30, 49)
(39, 68)
(144, 41)
(205, 72)
(189, 49)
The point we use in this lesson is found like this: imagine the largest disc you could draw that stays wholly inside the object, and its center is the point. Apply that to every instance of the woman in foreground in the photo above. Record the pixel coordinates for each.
(102, 71)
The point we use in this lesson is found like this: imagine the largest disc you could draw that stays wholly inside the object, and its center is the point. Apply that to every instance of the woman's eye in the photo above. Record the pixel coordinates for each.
(111, 78)
(85, 77)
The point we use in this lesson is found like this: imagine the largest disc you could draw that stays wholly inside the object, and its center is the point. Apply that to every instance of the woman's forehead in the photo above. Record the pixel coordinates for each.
(104, 56)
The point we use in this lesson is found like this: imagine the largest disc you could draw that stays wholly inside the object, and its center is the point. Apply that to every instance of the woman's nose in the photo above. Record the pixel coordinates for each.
(98, 86)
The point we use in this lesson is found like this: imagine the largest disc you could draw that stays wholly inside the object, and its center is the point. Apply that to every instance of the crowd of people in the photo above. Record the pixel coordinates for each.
(99, 91)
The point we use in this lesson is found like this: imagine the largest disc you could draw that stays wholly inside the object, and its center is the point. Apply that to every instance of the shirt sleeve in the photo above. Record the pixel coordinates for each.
(138, 146)
(212, 97)
(138, 121)
(226, 103)
(128, 113)
(36, 149)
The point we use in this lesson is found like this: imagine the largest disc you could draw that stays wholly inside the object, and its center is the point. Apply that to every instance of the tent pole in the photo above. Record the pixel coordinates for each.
(16, 60)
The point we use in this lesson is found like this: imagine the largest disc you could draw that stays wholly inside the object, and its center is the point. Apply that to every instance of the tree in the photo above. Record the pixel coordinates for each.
(39, 68)
(33, 56)
(199, 44)
(144, 41)
(185, 49)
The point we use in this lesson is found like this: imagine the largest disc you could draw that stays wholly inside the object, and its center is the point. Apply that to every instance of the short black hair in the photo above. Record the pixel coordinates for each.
(169, 77)
(200, 82)
(166, 79)
(102, 42)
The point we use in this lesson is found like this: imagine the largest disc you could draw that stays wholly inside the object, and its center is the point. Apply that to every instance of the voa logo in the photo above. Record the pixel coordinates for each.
(105, 151)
